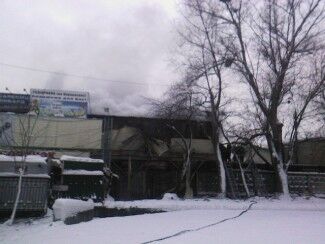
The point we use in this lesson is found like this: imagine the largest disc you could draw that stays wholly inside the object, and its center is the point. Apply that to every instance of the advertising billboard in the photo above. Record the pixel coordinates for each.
(16, 103)
(60, 103)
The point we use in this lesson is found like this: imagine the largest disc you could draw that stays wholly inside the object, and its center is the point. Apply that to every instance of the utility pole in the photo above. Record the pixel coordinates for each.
(106, 140)
(106, 137)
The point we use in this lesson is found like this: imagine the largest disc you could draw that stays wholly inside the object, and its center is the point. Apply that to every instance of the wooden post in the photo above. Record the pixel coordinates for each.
(106, 131)
(129, 177)
(144, 186)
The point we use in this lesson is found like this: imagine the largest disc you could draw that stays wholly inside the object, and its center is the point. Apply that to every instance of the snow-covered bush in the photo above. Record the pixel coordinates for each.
(170, 196)
(109, 198)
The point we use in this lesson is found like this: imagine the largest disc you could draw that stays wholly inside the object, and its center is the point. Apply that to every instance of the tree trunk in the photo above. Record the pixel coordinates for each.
(220, 165)
(221, 172)
(282, 185)
(188, 187)
(188, 178)
(242, 173)
(277, 156)
(216, 130)
(14, 210)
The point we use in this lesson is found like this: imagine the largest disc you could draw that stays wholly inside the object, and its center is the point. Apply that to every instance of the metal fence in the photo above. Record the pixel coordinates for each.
(262, 183)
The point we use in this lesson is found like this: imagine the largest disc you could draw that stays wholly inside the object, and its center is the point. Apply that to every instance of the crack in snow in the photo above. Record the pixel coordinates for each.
(202, 227)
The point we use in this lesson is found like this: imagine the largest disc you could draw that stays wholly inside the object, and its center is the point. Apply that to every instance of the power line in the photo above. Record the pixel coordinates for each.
(80, 76)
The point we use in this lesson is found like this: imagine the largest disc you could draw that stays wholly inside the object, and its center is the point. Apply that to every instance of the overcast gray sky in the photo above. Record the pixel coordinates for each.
(125, 41)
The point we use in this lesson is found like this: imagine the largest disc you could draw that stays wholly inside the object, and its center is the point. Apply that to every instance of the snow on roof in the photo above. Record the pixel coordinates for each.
(28, 159)
(9, 174)
(82, 172)
(80, 159)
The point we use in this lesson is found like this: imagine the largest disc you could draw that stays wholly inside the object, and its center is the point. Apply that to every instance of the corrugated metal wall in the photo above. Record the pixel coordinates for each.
(57, 132)
(33, 195)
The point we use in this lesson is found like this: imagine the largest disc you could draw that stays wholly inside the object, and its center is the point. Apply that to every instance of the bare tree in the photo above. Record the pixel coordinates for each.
(320, 111)
(19, 142)
(204, 63)
(273, 44)
(180, 102)
(318, 105)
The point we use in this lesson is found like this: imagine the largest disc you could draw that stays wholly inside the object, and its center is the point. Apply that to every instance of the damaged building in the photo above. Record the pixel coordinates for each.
(147, 154)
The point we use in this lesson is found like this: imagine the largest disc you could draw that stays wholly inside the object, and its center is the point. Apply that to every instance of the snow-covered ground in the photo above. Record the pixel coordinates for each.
(267, 222)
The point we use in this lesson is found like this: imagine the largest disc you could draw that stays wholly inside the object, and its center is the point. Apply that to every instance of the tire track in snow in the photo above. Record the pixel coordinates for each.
(202, 227)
